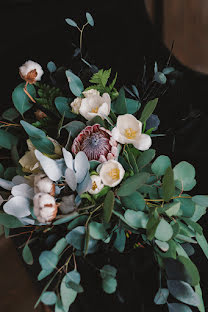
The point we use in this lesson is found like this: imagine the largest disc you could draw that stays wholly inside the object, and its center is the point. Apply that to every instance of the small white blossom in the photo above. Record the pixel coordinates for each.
(75, 105)
(128, 130)
(95, 105)
(111, 173)
(31, 71)
(97, 184)
(44, 207)
(42, 184)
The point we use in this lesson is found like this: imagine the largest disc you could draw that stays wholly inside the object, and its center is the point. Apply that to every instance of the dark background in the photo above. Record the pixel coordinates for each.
(122, 36)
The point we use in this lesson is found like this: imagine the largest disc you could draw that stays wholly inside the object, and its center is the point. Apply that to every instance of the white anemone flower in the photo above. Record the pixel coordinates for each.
(95, 105)
(111, 173)
(75, 105)
(31, 72)
(128, 130)
(44, 207)
(97, 184)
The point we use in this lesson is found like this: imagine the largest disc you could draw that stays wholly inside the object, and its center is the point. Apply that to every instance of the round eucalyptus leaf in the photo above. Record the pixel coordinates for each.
(25, 189)
(97, 230)
(136, 219)
(164, 231)
(76, 237)
(109, 285)
(75, 84)
(68, 295)
(70, 178)
(51, 67)
(74, 127)
(27, 255)
(85, 185)
(108, 270)
(81, 166)
(71, 22)
(7, 140)
(10, 114)
(160, 78)
(201, 200)
(183, 292)
(160, 165)
(49, 298)
(21, 100)
(49, 166)
(73, 276)
(184, 174)
(48, 260)
(62, 105)
(164, 246)
(134, 202)
(178, 307)
(18, 206)
(90, 19)
(7, 185)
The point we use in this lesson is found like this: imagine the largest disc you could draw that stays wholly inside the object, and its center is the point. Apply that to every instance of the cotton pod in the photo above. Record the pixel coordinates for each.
(44, 207)
(31, 72)
(111, 173)
(42, 184)
(97, 184)
(128, 130)
(95, 105)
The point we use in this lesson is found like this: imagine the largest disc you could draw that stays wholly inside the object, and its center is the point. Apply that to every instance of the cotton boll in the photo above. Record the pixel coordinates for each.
(31, 72)
(42, 184)
(45, 207)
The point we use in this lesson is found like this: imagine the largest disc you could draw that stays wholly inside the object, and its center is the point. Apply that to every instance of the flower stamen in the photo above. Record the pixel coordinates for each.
(130, 133)
(114, 174)
(95, 110)
(94, 186)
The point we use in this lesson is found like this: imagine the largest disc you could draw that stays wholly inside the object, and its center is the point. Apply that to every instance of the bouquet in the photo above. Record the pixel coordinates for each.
(83, 168)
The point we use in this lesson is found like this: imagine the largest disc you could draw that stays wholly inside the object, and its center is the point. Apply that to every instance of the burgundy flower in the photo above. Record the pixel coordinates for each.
(96, 142)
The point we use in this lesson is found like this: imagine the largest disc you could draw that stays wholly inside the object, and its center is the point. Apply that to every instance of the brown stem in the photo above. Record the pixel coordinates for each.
(28, 94)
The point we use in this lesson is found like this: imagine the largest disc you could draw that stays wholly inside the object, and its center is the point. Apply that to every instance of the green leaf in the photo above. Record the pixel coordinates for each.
(62, 105)
(145, 158)
(187, 207)
(20, 99)
(183, 292)
(76, 237)
(81, 220)
(10, 221)
(33, 131)
(130, 185)
(9, 173)
(10, 114)
(58, 306)
(119, 105)
(75, 83)
(71, 22)
(184, 174)
(108, 206)
(44, 145)
(199, 292)
(161, 296)
(172, 209)
(160, 165)
(96, 120)
(164, 246)
(65, 219)
(168, 186)
(152, 226)
(108, 271)
(136, 219)
(135, 201)
(68, 295)
(202, 243)
(109, 285)
(27, 255)
(51, 67)
(73, 276)
(160, 78)
(48, 260)
(90, 19)
(190, 270)
(97, 230)
(101, 77)
(201, 200)
(76, 287)
(74, 127)
(7, 140)
(1, 171)
(120, 240)
(164, 231)
(148, 110)
(132, 106)
(49, 298)
(132, 161)
(178, 307)
(60, 246)
(44, 273)
(198, 213)
(195, 226)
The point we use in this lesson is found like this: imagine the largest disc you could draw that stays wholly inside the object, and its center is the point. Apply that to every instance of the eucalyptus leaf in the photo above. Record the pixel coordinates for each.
(161, 296)
(51, 67)
(44, 145)
(133, 183)
(68, 295)
(178, 307)
(10, 221)
(148, 110)
(60, 246)
(90, 19)
(48, 260)
(160, 78)
(74, 127)
(160, 165)
(50, 167)
(62, 105)
(21, 100)
(7, 140)
(184, 174)
(168, 186)
(135, 201)
(164, 231)
(132, 106)
(201, 200)
(75, 83)
(120, 240)
(183, 292)
(27, 255)
(18, 206)
(145, 158)
(108, 206)
(136, 219)
(109, 285)
(49, 298)
(71, 22)
(76, 237)
(119, 105)
(10, 114)
(97, 230)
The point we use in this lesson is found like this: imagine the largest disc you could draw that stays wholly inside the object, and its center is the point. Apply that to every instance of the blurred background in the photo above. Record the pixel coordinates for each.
(125, 37)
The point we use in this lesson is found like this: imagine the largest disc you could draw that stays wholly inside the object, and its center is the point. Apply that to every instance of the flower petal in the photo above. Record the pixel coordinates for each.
(117, 136)
(103, 110)
(143, 143)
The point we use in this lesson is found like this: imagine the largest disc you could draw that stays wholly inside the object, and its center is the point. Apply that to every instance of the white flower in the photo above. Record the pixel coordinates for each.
(31, 72)
(75, 105)
(97, 184)
(42, 184)
(95, 105)
(128, 130)
(45, 207)
(111, 173)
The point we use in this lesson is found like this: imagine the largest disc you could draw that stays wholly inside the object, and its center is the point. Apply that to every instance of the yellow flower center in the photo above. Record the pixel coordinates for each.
(130, 133)
(95, 110)
(94, 185)
(114, 173)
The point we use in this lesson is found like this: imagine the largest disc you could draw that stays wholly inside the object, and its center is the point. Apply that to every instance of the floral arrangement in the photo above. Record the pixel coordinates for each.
(83, 167)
